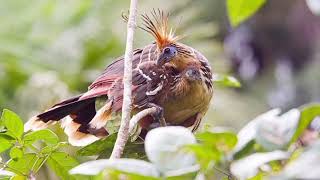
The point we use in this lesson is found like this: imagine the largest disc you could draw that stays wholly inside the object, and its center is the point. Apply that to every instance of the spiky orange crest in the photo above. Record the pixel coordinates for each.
(158, 26)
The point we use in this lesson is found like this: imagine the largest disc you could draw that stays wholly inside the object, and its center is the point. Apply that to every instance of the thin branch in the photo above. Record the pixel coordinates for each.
(123, 133)
(136, 118)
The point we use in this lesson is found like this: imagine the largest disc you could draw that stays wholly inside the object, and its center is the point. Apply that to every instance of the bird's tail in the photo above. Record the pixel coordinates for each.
(83, 124)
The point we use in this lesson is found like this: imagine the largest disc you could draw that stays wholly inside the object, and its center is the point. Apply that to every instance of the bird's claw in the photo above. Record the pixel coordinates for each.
(158, 115)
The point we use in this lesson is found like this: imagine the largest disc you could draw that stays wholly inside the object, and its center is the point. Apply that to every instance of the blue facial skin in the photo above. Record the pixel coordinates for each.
(167, 54)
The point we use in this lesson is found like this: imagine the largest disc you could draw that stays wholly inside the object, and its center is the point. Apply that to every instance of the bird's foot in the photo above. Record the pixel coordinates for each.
(158, 115)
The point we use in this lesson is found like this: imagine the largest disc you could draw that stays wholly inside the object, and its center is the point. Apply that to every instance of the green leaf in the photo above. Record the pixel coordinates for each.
(2, 127)
(188, 176)
(133, 150)
(99, 146)
(222, 141)
(104, 147)
(18, 177)
(25, 164)
(205, 154)
(47, 136)
(61, 163)
(245, 151)
(259, 176)
(49, 149)
(4, 144)
(13, 123)
(307, 115)
(225, 80)
(16, 153)
(240, 10)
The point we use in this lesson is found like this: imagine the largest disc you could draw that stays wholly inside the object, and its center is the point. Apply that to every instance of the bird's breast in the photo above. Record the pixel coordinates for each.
(180, 107)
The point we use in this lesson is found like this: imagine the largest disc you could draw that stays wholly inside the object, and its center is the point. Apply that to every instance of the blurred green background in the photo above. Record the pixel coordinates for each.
(53, 49)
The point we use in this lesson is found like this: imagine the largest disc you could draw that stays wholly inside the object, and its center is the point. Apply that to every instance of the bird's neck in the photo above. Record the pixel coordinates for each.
(181, 63)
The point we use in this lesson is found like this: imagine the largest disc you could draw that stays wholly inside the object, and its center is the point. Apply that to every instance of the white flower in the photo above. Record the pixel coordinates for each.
(164, 148)
(271, 130)
(314, 6)
(275, 133)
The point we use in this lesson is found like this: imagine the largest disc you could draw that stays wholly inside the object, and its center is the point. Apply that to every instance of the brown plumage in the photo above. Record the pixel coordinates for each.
(174, 77)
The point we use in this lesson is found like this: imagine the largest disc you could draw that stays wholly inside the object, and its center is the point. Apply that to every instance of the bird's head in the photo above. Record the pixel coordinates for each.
(173, 53)
(166, 55)
(158, 26)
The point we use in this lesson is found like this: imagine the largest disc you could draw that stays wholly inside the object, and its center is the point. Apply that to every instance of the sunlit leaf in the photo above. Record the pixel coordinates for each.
(61, 163)
(98, 147)
(25, 164)
(45, 135)
(224, 141)
(205, 154)
(104, 147)
(18, 177)
(13, 123)
(244, 151)
(259, 176)
(124, 165)
(16, 153)
(225, 80)
(4, 144)
(307, 115)
(240, 10)
(49, 149)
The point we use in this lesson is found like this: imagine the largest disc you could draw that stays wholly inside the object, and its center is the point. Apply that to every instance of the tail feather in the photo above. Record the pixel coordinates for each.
(83, 124)
(35, 124)
(65, 108)
(102, 116)
(75, 137)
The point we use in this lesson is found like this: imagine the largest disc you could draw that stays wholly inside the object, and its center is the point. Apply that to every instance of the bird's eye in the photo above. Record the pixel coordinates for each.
(167, 54)
(167, 50)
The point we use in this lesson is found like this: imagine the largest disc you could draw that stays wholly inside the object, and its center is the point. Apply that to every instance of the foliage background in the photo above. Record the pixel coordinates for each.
(52, 49)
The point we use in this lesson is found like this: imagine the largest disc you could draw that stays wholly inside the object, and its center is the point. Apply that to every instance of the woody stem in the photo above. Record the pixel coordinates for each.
(123, 133)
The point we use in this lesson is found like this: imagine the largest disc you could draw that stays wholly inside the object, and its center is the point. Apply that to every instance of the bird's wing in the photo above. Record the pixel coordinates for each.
(148, 82)
(114, 72)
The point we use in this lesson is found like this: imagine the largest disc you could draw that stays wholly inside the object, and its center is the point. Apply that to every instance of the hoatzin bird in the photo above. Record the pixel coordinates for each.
(168, 75)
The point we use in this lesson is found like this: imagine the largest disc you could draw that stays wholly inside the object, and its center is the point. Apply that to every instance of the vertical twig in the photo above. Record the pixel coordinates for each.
(123, 133)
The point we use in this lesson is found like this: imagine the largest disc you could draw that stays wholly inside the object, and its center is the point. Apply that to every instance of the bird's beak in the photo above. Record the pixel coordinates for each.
(162, 60)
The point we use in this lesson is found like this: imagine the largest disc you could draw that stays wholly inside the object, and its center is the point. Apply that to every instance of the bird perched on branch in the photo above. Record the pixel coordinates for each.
(168, 75)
